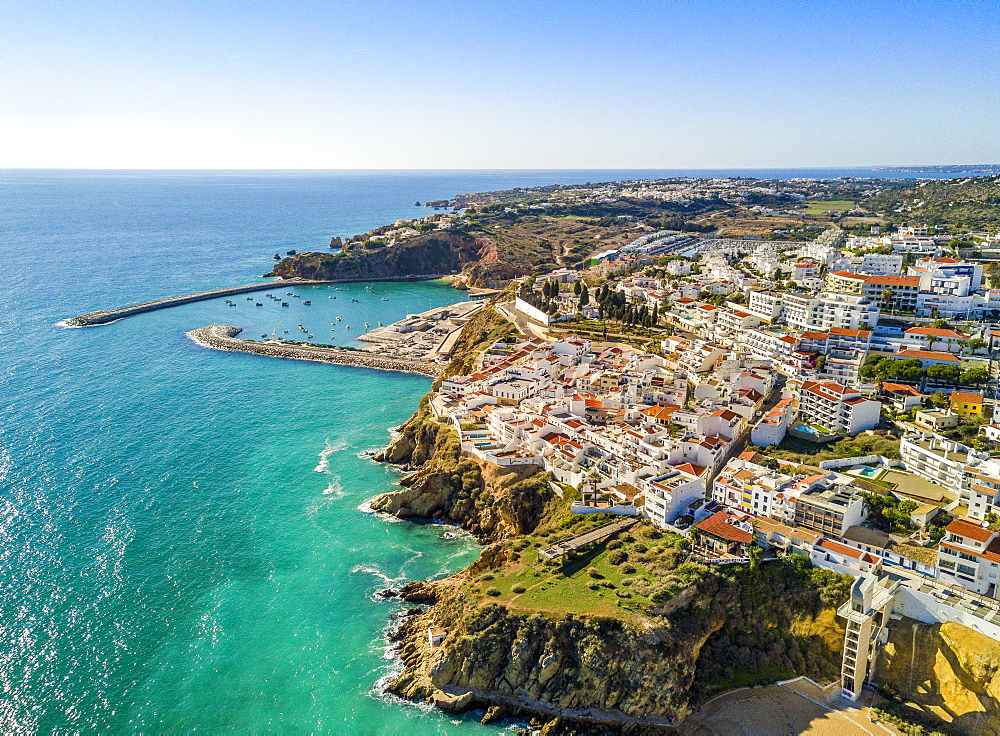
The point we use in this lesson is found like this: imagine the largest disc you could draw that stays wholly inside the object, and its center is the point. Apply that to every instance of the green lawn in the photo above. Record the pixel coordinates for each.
(587, 584)
(821, 206)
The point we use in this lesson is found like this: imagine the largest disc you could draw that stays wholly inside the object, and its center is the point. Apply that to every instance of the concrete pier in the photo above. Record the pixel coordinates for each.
(110, 315)
(223, 337)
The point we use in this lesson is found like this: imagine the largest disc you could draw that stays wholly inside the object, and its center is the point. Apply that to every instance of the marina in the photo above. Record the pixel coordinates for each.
(426, 335)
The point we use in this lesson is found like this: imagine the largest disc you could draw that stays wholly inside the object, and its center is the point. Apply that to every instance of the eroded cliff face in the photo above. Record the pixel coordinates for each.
(566, 664)
(636, 675)
(432, 254)
(947, 671)
(490, 501)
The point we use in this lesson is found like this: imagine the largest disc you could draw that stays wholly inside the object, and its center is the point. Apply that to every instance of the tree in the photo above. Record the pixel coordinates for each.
(944, 372)
(976, 343)
(974, 375)
(939, 400)
(584, 297)
(910, 369)
(578, 287)
(887, 294)
(993, 275)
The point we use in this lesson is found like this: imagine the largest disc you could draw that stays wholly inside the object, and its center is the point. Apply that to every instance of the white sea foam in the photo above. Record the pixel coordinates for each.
(365, 507)
(334, 489)
(324, 456)
(374, 571)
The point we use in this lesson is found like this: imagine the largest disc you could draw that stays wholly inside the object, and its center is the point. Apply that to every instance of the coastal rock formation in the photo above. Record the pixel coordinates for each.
(491, 502)
(944, 671)
(434, 254)
(599, 670)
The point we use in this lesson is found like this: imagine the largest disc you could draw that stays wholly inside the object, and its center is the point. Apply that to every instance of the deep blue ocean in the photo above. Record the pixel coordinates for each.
(181, 544)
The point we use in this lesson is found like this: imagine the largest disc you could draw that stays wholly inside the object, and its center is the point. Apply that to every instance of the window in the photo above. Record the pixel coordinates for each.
(966, 570)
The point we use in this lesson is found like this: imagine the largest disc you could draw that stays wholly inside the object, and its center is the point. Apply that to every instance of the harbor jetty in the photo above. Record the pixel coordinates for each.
(110, 315)
(223, 337)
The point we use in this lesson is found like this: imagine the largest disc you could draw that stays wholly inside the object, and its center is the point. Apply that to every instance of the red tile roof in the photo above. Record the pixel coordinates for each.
(935, 332)
(842, 332)
(690, 469)
(965, 528)
(966, 396)
(929, 355)
(718, 526)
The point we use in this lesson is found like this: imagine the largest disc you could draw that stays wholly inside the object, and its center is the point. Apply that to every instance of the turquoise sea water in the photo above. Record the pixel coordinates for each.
(181, 547)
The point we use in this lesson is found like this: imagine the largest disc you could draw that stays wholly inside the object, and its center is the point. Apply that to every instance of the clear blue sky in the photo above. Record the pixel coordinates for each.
(582, 84)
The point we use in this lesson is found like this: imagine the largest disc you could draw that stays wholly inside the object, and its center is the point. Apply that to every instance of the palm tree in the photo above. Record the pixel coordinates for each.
(887, 294)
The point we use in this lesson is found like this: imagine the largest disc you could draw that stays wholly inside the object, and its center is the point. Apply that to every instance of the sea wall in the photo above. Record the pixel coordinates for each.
(223, 337)
(110, 315)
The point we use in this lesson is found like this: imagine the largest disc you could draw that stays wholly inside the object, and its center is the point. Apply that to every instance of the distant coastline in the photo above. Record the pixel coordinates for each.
(977, 169)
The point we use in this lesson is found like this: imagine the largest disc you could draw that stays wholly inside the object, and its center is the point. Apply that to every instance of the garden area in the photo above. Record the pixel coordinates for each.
(802, 452)
(620, 577)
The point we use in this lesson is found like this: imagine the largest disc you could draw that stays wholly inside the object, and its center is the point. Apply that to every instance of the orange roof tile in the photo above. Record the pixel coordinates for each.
(718, 526)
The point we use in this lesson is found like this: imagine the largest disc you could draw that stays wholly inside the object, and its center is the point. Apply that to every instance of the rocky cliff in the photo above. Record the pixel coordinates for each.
(432, 254)
(944, 671)
(631, 672)
(629, 647)
(491, 502)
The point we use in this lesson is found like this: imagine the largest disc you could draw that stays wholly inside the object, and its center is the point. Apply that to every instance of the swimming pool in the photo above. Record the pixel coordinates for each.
(807, 429)
(868, 472)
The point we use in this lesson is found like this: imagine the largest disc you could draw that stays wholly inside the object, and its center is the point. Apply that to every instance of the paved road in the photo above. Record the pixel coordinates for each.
(526, 326)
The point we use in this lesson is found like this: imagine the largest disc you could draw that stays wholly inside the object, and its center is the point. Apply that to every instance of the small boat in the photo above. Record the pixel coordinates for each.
(277, 257)
(307, 302)
(289, 252)
(309, 336)
(264, 337)
(259, 304)
(367, 325)
(338, 319)
(288, 293)
(286, 332)
(379, 324)
(249, 298)
(284, 304)
(384, 299)
(353, 299)
(347, 327)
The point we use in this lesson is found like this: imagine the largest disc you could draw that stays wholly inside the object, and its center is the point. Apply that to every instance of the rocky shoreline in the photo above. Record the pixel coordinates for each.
(223, 337)
(566, 673)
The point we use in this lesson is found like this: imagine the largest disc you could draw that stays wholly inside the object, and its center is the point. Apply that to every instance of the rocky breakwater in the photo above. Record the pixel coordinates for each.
(223, 337)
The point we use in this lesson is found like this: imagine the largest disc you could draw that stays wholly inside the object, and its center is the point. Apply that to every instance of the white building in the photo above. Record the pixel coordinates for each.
(969, 555)
(836, 409)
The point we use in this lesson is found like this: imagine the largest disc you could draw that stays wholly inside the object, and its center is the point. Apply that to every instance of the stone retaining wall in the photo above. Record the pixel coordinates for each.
(223, 337)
